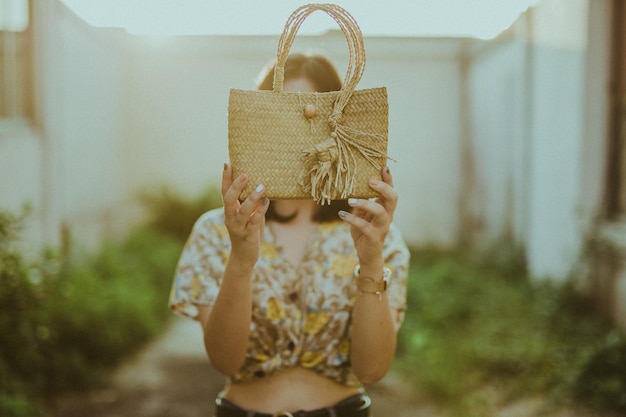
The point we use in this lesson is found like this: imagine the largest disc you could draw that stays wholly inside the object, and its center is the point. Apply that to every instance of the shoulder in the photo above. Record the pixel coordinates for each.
(395, 238)
(209, 228)
(211, 220)
(214, 216)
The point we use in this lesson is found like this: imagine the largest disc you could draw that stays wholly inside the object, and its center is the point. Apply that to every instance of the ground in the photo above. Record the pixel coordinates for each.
(171, 377)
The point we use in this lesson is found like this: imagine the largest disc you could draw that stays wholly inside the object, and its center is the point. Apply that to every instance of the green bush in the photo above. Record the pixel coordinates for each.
(476, 320)
(173, 214)
(602, 382)
(66, 319)
(18, 296)
(62, 324)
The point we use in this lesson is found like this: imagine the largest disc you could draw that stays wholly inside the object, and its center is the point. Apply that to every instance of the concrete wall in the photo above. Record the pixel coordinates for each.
(21, 176)
(176, 126)
(557, 131)
(120, 114)
(497, 154)
(494, 139)
(80, 107)
(528, 101)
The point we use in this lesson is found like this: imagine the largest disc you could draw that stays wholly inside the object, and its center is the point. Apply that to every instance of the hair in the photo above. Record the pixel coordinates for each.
(320, 72)
(315, 68)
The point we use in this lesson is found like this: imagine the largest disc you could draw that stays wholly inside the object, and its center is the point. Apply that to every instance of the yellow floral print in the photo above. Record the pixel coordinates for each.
(343, 265)
(195, 285)
(220, 229)
(274, 310)
(260, 357)
(344, 347)
(315, 322)
(268, 251)
(311, 359)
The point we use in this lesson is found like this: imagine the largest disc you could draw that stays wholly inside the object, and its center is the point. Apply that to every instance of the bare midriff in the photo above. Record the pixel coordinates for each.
(291, 390)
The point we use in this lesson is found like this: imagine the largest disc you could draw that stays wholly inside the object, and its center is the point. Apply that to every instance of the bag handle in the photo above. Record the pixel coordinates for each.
(332, 165)
(356, 48)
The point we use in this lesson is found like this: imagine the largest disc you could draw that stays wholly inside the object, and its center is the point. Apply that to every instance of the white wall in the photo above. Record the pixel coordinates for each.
(176, 107)
(21, 176)
(498, 84)
(120, 114)
(494, 135)
(528, 92)
(20, 162)
(557, 133)
(79, 82)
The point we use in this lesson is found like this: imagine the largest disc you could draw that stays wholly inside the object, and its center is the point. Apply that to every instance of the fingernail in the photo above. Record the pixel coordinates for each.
(265, 201)
(373, 182)
(352, 201)
(259, 188)
(225, 166)
(343, 214)
(243, 178)
(387, 170)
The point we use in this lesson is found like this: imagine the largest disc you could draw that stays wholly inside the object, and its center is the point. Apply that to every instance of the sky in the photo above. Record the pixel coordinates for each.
(481, 19)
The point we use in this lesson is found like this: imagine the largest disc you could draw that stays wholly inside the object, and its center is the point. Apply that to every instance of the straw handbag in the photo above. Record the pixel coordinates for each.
(324, 146)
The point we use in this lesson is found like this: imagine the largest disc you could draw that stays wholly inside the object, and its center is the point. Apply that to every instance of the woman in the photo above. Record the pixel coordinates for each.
(272, 285)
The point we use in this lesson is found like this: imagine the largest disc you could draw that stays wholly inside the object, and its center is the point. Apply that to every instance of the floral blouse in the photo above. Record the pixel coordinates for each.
(301, 315)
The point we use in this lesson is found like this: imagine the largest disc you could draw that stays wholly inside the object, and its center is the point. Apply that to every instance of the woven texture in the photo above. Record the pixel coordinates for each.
(327, 157)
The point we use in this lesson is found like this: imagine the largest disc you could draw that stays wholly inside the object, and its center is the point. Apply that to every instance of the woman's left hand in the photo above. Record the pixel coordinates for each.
(370, 220)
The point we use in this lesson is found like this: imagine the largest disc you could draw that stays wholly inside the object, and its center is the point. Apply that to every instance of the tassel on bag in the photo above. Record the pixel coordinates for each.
(332, 165)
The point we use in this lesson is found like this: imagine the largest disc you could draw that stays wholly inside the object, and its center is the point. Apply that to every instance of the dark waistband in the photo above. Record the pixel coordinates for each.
(354, 406)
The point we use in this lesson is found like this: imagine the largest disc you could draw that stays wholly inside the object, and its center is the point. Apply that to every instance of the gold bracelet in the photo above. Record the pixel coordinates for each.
(368, 285)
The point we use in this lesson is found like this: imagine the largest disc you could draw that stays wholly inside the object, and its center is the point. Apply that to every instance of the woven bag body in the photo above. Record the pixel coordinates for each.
(327, 157)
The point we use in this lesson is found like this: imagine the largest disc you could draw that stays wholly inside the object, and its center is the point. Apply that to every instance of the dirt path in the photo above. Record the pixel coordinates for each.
(172, 377)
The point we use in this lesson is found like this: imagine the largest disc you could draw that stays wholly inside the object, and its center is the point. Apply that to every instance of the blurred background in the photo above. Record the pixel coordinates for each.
(507, 125)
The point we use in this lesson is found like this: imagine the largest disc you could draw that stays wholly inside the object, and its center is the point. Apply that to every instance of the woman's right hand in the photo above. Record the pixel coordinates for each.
(244, 220)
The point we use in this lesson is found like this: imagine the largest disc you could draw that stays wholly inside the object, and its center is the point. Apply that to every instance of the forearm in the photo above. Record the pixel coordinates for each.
(227, 329)
(373, 333)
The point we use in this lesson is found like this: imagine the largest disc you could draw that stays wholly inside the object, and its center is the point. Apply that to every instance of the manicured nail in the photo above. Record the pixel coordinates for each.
(243, 178)
(343, 214)
(387, 170)
(352, 201)
(225, 166)
(265, 201)
(259, 188)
